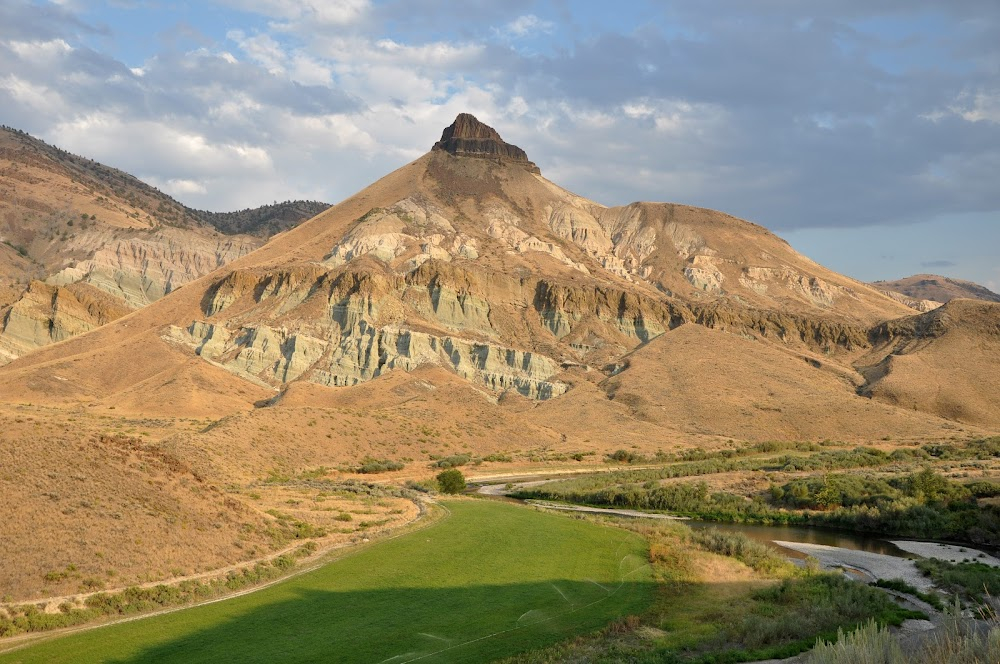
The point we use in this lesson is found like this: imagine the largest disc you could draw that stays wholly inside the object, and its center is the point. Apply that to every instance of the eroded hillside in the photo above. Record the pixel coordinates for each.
(67, 220)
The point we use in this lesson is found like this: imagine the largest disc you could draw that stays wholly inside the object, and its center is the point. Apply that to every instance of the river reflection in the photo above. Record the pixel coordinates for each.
(826, 536)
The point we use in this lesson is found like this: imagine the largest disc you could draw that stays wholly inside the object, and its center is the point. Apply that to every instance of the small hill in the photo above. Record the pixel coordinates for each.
(942, 362)
(708, 382)
(938, 288)
(263, 221)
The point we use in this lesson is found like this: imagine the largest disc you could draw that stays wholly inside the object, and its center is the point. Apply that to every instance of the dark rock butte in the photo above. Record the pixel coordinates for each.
(468, 137)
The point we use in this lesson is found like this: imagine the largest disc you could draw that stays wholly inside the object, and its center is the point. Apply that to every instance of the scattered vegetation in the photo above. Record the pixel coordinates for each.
(971, 581)
(922, 504)
(902, 586)
(374, 466)
(135, 600)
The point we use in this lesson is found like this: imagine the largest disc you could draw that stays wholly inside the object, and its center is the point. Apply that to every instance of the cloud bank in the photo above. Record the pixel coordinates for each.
(846, 115)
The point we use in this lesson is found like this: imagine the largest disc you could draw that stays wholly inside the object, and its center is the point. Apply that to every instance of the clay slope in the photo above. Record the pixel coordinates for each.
(938, 289)
(69, 220)
(469, 260)
(45, 314)
(945, 362)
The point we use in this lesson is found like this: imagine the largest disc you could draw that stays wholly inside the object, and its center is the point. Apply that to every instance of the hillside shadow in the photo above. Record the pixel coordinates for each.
(463, 624)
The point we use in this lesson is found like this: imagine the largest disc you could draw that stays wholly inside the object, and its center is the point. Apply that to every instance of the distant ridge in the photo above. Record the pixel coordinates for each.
(938, 288)
(263, 221)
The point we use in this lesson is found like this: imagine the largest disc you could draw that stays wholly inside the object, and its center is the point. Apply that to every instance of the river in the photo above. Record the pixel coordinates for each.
(767, 534)
(807, 535)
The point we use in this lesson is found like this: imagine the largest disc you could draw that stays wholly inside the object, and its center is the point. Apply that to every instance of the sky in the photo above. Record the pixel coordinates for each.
(866, 133)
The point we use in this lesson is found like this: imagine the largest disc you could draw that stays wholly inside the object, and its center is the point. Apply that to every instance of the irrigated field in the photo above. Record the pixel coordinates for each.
(488, 581)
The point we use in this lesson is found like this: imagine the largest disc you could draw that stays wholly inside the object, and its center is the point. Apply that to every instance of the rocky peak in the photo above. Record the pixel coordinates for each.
(468, 137)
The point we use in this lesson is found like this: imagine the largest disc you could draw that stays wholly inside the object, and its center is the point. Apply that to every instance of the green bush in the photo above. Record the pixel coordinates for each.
(751, 553)
(972, 580)
(451, 481)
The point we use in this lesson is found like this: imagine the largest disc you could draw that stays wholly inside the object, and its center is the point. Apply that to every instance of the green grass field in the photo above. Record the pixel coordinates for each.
(490, 580)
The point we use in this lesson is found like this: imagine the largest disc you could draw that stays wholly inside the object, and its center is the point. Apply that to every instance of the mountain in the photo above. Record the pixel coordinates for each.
(66, 220)
(465, 306)
(938, 289)
(469, 259)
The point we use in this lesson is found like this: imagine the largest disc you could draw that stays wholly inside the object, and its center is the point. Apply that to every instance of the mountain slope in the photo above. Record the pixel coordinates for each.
(943, 362)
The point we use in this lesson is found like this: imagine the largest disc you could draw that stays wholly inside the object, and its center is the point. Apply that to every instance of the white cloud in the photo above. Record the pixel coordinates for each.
(262, 49)
(971, 105)
(981, 106)
(269, 53)
(164, 147)
(528, 25)
(33, 96)
(675, 115)
(40, 51)
(181, 187)
(298, 13)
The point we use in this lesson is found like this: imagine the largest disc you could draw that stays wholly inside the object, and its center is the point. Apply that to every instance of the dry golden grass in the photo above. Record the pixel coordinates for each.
(94, 502)
(707, 382)
(951, 372)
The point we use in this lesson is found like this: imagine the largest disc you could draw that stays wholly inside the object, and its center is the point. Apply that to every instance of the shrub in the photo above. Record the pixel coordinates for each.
(451, 481)
(972, 580)
(624, 456)
(452, 461)
(751, 553)
(374, 466)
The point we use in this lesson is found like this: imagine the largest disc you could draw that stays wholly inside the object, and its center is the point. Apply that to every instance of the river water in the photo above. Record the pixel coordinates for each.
(807, 535)
(769, 534)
